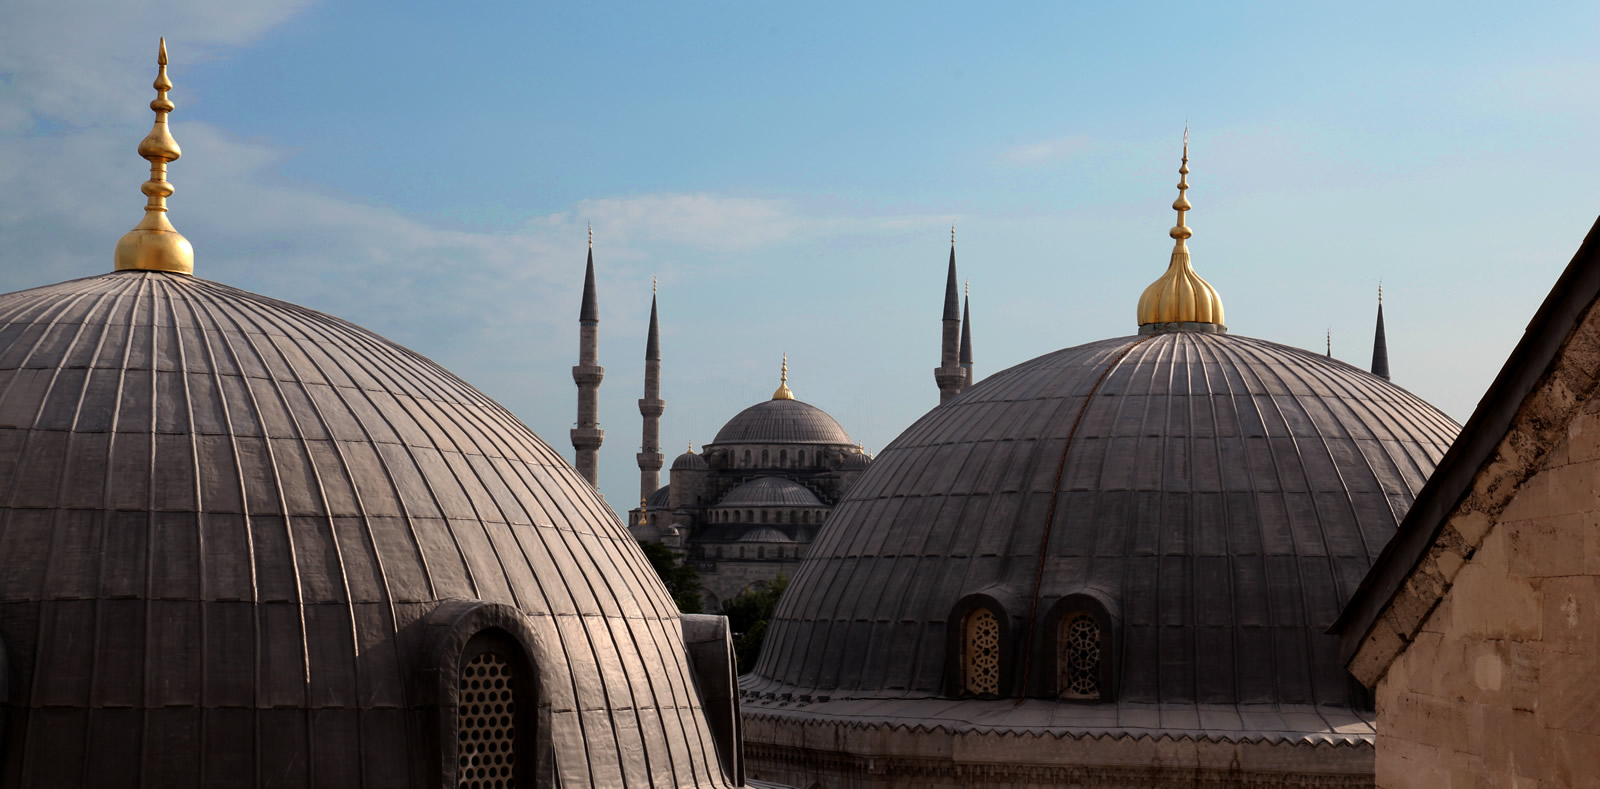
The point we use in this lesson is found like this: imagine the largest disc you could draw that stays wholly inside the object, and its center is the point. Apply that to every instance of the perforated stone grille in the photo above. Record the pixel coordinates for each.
(487, 724)
(982, 653)
(1080, 657)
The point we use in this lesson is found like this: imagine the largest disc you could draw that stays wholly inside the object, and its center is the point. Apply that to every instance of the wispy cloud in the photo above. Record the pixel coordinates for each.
(1047, 151)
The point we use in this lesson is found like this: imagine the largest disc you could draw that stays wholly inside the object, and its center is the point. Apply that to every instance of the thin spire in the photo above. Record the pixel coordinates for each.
(1330, 342)
(154, 244)
(642, 521)
(966, 332)
(1380, 343)
(1180, 295)
(952, 290)
(652, 343)
(783, 392)
(591, 307)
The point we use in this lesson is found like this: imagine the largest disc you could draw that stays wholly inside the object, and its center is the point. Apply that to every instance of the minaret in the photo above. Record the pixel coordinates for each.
(1380, 343)
(1180, 300)
(966, 337)
(948, 374)
(154, 244)
(650, 407)
(587, 436)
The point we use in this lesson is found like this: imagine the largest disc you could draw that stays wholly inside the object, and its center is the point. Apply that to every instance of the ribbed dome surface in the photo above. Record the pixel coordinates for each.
(226, 521)
(782, 422)
(1224, 495)
(770, 492)
(765, 535)
(688, 461)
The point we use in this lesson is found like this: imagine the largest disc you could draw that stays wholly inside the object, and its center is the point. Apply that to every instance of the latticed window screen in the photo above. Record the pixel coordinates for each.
(1079, 657)
(981, 653)
(487, 724)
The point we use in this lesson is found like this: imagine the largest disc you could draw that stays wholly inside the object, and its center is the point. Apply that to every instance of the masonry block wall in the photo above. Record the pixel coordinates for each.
(1501, 686)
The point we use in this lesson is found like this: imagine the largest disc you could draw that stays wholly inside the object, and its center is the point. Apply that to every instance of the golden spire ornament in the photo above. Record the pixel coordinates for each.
(1180, 295)
(154, 244)
(783, 392)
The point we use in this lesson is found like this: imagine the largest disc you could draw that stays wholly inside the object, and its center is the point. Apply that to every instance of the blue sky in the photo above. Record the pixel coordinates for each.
(791, 172)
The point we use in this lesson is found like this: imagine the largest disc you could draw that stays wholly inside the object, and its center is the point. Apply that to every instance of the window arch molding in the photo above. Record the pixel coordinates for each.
(454, 634)
(956, 661)
(1048, 652)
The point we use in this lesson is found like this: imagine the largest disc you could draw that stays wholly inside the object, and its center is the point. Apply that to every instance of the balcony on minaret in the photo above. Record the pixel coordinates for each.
(650, 408)
(587, 437)
(588, 374)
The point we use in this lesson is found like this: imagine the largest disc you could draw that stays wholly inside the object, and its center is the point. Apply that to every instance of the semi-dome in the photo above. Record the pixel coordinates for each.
(782, 422)
(767, 534)
(770, 492)
(1218, 496)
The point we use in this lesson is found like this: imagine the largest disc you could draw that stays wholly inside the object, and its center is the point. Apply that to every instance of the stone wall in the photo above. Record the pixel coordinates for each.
(1500, 686)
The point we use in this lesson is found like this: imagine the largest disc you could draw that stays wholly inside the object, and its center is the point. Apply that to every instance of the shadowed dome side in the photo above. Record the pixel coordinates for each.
(782, 422)
(1222, 496)
(231, 526)
(770, 492)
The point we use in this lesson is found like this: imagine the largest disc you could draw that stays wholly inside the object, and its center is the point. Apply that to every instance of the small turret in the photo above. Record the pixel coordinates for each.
(1380, 343)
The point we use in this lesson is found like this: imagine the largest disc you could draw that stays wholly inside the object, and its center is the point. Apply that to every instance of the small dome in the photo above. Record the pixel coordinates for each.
(782, 422)
(688, 461)
(856, 461)
(659, 499)
(770, 492)
(768, 534)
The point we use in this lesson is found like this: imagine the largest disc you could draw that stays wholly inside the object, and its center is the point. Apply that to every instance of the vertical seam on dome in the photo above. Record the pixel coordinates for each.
(39, 643)
(1202, 350)
(1050, 515)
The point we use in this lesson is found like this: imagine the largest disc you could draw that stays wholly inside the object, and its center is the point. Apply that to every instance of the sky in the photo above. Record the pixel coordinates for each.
(790, 174)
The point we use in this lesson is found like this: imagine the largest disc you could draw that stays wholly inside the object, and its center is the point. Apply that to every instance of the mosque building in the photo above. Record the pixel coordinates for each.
(746, 508)
(247, 544)
(1114, 565)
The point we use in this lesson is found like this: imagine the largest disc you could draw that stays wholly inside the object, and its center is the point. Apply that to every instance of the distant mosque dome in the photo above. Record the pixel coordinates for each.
(247, 543)
(688, 461)
(770, 492)
(782, 420)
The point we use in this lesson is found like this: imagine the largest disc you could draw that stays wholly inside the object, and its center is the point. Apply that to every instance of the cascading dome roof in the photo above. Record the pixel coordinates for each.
(784, 421)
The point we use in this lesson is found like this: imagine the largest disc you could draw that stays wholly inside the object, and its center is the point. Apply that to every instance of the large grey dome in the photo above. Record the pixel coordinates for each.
(782, 422)
(245, 542)
(1219, 497)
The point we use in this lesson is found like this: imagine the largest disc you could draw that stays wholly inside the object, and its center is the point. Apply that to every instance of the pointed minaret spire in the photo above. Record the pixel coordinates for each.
(587, 436)
(154, 244)
(1380, 343)
(1330, 342)
(650, 407)
(966, 335)
(783, 392)
(1180, 299)
(948, 374)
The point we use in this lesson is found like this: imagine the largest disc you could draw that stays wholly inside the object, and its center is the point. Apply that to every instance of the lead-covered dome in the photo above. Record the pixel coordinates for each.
(770, 492)
(782, 421)
(239, 534)
(1211, 500)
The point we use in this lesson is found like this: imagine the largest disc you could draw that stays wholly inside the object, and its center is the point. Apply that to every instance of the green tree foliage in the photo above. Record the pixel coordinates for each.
(747, 615)
(681, 579)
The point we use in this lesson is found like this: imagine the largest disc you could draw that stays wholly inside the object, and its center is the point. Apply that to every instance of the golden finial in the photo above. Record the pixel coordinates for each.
(154, 244)
(691, 447)
(783, 392)
(653, 284)
(591, 235)
(952, 234)
(1380, 293)
(967, 289)
(641, 512)
(1180, 295)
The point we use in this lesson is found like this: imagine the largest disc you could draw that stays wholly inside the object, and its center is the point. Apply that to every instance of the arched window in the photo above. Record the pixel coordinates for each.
(764, 460)
(783, 457)
(746, 462)
(980, 653)
(761, 552)
(801, 460)
(1078, 657)
(805, 517)
(487, 755)
(763, 516)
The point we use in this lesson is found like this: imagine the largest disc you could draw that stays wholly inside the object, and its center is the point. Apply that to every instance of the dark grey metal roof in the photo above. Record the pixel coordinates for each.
(952, 291)
(770, 492)
(1574, 294)
(652, 342)
(659, 499)
(228, 522)
(782, 422)
(687, 461)
(767, 534)
(1223, 495)
(1380, 348)
(966, 332)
